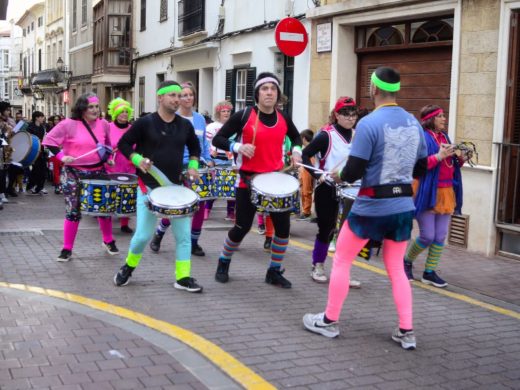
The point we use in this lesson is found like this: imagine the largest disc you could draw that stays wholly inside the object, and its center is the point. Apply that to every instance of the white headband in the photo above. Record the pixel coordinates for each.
(267, 80)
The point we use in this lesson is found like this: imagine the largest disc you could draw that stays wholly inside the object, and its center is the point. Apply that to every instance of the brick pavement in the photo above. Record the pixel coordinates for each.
(459, 345)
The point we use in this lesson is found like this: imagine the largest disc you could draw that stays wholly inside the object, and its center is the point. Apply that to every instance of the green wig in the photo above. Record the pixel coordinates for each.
(117, 106)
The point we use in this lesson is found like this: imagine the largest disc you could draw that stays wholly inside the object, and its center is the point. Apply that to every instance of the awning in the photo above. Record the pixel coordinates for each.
(49, 77)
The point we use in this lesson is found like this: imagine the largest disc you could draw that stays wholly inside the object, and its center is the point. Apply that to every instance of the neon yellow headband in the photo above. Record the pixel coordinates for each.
(389, 87)
(169, 89)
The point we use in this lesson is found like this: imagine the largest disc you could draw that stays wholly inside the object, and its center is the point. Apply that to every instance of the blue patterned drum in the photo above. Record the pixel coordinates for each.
(126, 193)
(173, 201)
(225, 181)
(97, 197)
(204, 185)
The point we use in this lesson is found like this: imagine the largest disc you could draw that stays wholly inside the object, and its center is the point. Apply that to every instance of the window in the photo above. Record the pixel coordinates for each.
(141, 95)
(385, 36)
(6, 90)
(164, 10)
(239, 87)
(74, 15)
(24, 32)
(32, 26)
(191, 16)
(39, 60)
(40, 21)
(143, 15)
(5, 59)
(432, 31)
(83, 13)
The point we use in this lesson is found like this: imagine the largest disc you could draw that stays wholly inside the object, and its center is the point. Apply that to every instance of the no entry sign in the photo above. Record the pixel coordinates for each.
(291, 37)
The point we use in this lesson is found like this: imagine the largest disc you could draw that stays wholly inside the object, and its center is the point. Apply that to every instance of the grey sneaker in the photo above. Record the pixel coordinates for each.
(318, 273)
(406, 339)
(314, 323)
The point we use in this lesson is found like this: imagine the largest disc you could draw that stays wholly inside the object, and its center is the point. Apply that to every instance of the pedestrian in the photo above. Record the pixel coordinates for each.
(55, 165)
(5, 155)
(331, 148)
(121, 113)
(260, 133)
(36, 183)
(82, 144)
(164, 135)
(306, 180)
(438, 196)
(186, 110)
(221, 158)
(387, 152)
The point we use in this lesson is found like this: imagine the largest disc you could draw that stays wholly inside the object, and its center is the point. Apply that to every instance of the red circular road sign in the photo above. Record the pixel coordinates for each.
(290, 36)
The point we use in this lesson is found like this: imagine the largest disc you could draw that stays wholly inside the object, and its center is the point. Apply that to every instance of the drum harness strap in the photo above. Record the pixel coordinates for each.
(387, 191)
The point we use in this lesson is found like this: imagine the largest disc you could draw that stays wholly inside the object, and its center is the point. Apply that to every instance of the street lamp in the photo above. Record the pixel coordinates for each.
(59, 64)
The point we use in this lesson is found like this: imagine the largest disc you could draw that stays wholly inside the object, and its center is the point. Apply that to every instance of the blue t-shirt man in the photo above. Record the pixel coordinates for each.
(392, 141)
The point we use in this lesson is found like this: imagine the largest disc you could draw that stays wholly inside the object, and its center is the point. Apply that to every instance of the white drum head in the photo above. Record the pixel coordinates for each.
(21, 143)
(275, 183)
(123, 178)
(173, 196)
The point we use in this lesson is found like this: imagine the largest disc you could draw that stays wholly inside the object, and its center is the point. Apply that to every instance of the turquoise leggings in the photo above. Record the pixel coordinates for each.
(145, 228)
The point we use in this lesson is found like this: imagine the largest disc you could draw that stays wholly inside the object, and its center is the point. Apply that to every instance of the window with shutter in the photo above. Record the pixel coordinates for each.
(239, 87)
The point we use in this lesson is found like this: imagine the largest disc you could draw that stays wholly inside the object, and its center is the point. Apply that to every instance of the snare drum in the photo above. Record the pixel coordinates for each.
(97, 197)
(347, 196)
(225, 181)
(126, 192)
(26, 148)
(274, 192)
(204, 185)
(173, 201)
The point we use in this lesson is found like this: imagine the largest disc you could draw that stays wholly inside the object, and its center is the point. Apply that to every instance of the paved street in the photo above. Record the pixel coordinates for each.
(468, 335)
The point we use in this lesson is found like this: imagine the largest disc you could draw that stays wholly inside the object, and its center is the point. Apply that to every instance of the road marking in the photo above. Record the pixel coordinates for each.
(223, 360)
(460, 297)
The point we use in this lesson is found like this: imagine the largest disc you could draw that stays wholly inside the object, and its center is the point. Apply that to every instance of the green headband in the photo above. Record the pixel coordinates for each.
(389, 87)
(168, 89)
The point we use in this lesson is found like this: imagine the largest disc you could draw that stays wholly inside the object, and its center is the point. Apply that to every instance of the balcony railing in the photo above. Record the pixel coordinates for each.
(508, 196)
(191, 16)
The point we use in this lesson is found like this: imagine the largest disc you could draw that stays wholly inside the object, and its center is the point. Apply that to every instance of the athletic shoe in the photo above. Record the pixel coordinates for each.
(3, 199)
(64, 256)
(127, 229)
(267, 244)
(315, 323)
(406, 339)
(408, 270)
(188, 284)
(43, 191)
(261, 229)
(197, 250)
(230, 217)
(318, 273)
(222, 274)
(57, 190)
(155, 244)
(354, 283)
(332, 246)
(110, 247)
(434, 279)
(123, 275)
(34, 192)
(303, 217)
(275, 277)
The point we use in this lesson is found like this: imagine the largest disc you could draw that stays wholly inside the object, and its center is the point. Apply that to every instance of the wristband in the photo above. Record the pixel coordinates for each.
(297, 149)
(136, 159)
(236, 146)
(60, 155)
(193, 164)
(439, 159)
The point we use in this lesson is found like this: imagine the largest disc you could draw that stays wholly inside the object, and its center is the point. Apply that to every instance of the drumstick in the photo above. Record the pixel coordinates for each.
(86, 154)
(312, 168)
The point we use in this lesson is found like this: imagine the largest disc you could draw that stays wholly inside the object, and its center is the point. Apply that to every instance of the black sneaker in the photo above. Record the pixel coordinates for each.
(155, 244)
(261, 229)
(64, 256)
(408, 270)
(126, 229)
(196, 250)
(222, 275)
(267, 244)
(188, 284)
(434, 279)
(111, 248)
(274, 276)
(57, 190)
(122, 276)
(303, 217)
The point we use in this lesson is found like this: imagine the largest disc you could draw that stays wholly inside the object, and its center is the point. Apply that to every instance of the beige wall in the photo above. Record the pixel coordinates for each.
(478, 69)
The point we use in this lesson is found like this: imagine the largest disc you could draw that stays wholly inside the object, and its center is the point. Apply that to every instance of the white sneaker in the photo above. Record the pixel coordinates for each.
(314, 323)
(3, 199)
(407, 339)
(318, 273)
(44, 191)
(332, 246)
(354, 283)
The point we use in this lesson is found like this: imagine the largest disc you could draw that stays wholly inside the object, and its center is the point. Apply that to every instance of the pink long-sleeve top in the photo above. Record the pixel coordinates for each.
(446, 169)
(122, 164)
(73, 138)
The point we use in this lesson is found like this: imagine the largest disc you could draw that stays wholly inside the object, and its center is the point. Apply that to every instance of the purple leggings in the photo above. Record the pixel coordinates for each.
(433, 227)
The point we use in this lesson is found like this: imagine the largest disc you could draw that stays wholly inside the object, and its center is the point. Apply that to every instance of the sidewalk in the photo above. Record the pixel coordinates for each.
(460, 344)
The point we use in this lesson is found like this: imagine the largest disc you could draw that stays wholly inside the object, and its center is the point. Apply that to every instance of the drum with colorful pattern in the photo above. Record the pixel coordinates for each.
(126, 193)
(204, 185)
(274, 192)
(225, 181)
(173, 201)
(97, 197)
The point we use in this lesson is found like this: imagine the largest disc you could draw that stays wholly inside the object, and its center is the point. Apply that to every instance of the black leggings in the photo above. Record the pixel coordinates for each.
(245, 214)
(326, 205)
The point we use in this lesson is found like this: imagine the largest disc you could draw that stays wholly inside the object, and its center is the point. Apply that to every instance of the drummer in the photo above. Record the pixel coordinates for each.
(121, 113)
(84, 141)
(161, 136)
(332, 148)
(260, 132)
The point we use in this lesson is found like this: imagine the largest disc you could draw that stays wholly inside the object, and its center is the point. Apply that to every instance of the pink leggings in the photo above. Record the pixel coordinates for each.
(348, 246)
